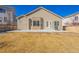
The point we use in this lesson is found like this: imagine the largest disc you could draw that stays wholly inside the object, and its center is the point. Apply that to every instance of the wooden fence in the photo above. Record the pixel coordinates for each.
(7, 27)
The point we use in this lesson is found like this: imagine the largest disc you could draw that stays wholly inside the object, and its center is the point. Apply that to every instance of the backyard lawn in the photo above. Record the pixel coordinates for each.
(39, 42)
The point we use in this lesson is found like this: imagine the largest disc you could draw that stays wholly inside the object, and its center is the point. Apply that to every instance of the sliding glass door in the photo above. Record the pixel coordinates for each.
(56, 25)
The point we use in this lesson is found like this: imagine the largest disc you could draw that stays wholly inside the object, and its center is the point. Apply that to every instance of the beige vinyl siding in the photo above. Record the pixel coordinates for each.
(22, 23)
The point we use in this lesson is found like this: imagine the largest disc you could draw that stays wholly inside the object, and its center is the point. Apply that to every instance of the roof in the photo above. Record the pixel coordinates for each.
(38, 10)
(72, 15)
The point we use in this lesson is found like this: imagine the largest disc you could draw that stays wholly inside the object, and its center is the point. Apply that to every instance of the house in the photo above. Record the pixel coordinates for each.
(40, 19)
(71, 22)
(7, 18)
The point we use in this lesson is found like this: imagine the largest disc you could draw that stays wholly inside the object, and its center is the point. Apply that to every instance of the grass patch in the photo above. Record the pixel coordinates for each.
(39, 42)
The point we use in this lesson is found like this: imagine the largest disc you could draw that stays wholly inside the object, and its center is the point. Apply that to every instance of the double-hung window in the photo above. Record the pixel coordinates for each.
(0, 19)
(36, 23)
(5, 19)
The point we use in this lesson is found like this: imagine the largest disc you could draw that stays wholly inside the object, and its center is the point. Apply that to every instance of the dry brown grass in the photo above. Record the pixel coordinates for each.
(39, 42)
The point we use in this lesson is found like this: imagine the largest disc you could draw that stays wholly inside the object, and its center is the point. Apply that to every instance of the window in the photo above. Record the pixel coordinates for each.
(50, 23)
(36, 23)
(2, 10)
(5, 19)
(75, 21)
(47, 23)
(76, 18)
(0, 19)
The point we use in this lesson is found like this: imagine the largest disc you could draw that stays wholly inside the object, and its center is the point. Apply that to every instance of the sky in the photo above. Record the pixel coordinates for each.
(62, 10)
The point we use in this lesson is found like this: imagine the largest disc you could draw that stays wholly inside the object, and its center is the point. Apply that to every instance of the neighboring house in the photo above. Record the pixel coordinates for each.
(71, 23)
(40, 19)
(7, 18)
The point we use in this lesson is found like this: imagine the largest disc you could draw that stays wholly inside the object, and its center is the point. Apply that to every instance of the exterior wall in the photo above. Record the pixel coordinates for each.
(46, 16)
(22, 23)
